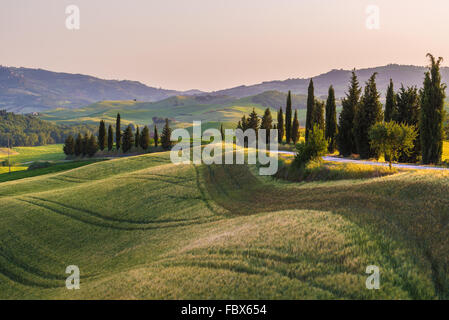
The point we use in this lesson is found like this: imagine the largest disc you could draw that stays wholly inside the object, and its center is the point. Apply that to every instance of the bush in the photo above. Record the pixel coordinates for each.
(39, 165)
(313, 149)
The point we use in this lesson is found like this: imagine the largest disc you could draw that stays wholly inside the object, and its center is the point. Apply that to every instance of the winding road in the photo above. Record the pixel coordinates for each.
(373, 163)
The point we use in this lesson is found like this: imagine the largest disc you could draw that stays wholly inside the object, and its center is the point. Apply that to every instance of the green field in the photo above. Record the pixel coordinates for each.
(141, 227)
(23, 155)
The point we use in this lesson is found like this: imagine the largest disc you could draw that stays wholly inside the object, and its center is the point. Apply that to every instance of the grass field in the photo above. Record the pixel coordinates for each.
(141, 227)
(22, 155)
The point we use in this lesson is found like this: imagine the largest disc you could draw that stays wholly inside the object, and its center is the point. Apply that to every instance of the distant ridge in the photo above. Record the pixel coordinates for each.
(24, 90)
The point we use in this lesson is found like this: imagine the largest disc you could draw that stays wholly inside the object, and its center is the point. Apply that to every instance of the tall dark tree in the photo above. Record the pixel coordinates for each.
(310, 108)
(102, 135)
(137, 138)
(84, 144)
(390, 103)
(156, 136)
(432, 113)
(78, 145)
(345, 136)
(128, 139)
(244, 123)
(91, 146)
(253, 121)
(118, 132)
(110, 138)
(330, 132)
(222, 133)
(288, 118)
(368, 114)
(280, 125)
(408, 112)
(267, 123)
(318, 115)
(69, 146)
(145, 138)
(166, 136)
(295, 128)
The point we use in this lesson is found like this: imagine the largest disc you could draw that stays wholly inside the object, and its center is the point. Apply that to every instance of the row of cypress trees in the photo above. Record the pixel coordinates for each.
(125, 141)
(423, 109)
(289, 127)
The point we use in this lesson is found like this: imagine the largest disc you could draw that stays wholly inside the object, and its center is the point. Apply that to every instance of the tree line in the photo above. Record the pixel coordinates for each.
(125, 141)
(409, 129)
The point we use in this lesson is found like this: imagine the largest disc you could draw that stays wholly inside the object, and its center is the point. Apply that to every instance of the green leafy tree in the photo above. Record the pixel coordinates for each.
(166, 136)
(69, 146)
(156, 136)
(128, 139)
(432, 113)
(392, 139)
(368, 114)
(267, 123)
(102, 135)
(312, 149)
(288, 118)
(78, 145)
(310, 108)
(110, 138)
(280, 126)
(330, 133)
(137, 138)
(295, 128)
(408, 112)
(345, 136)
(145, 138)
(118, 132)
(390, 103)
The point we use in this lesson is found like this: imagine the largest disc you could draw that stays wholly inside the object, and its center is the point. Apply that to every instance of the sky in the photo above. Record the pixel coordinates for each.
(216, 44)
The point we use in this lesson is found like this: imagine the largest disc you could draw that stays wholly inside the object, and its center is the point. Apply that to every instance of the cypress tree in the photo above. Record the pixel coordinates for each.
(288, 118)
(318, 115)
(110, 138)
(267, 123)
(118, 132)
(244, 123)
(408, 112)
(137, 138)
(145, 138)
(330, 132)
(84, 144)
(222, 132)
(368, 114)
(78, 145)
(253, 121)
(432, 113)
(91, 146)
(295, 128)
(102, 135)
(390, 103)
(280, 125)
(69, 146)
(345, 137)
(156, 136)
(310, 107)
(239, 125)
(166, 136)
(128, 139)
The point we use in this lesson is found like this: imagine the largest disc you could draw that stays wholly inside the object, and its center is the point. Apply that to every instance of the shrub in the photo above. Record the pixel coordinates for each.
(313, 149)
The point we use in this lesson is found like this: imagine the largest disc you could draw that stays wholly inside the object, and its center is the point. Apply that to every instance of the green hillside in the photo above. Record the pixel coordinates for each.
(141, 227)
(182, 109)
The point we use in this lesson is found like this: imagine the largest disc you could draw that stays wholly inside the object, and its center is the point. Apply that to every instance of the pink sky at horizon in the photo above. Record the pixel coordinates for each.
(216, 44)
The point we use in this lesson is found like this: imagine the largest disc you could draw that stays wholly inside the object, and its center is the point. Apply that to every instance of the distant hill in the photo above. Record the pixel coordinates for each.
(182, 110)
(24, 90)
(408, 75)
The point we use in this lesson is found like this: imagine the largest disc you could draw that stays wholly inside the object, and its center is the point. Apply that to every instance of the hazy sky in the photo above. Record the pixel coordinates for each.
(216, 44)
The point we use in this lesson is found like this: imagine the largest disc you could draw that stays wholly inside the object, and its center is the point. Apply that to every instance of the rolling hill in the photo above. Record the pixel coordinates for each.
(181, 109)
(147, 228)
(25, 90)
